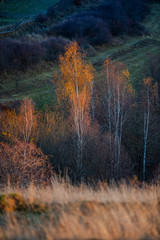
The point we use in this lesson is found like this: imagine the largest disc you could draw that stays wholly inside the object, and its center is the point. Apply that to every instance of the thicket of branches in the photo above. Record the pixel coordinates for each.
(16, 55)
(100, 129)
(97, 25)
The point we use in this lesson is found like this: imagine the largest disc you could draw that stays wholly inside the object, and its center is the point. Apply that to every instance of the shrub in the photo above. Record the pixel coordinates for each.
(79, 2)
(23, 163)
(54, 47)
(94, 30)
(137, 29)
(16, 55)
(136, 10)
(15, 202)
(64, 5)
(95, 25)
(41, 18)
(52, 12)
(12, 202)
(114, 14)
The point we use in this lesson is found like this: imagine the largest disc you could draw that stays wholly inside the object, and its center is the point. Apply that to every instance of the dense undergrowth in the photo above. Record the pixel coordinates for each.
(100, 29)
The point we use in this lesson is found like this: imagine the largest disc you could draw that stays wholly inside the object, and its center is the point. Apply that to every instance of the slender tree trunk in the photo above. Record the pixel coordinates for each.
(92, 102)
(146, 127)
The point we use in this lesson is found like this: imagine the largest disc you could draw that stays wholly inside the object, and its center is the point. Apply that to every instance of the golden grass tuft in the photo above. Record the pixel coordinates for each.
(82, 212)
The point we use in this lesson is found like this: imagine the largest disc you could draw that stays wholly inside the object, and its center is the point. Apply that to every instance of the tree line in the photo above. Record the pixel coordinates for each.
(92, 132)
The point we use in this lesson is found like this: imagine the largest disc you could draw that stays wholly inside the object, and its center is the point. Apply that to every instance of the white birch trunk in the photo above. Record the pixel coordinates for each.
(146, 127)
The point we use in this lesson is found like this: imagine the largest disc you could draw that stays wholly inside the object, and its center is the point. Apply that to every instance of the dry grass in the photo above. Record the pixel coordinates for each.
(82, 212)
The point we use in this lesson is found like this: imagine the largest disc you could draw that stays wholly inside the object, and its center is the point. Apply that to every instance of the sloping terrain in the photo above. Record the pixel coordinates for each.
(133, 51)
(14, 11)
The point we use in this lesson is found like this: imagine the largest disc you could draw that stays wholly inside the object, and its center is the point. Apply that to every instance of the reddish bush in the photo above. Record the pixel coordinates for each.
(22, 163)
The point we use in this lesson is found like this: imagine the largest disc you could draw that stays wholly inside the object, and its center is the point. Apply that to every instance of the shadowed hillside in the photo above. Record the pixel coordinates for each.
(134, 51)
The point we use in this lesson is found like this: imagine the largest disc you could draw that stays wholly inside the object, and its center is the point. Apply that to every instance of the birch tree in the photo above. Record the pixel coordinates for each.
(116, 94)
(22, 125)
(76, 87)
(150, 92)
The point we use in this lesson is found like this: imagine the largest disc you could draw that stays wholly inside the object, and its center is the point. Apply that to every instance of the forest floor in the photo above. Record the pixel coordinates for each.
(135, 52)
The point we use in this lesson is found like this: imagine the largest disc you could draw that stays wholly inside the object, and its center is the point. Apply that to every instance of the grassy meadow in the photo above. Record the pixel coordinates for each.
(133, 51)
(64, 211)
(14, 11)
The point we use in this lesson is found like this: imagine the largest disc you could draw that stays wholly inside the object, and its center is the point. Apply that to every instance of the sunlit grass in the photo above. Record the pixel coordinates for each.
(84, 212)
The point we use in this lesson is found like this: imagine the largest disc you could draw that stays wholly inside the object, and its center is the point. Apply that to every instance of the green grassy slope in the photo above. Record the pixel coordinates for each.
(16, 10)
(134, 52)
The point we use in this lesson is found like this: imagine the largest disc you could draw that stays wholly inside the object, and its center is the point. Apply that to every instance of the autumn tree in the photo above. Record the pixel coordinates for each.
(20, 159)
(21, 171)
(21, 124)
(149, 98)
(116, 95)
(76, 87)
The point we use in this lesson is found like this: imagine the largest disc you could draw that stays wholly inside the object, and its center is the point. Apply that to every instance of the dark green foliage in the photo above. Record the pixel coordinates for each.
(89, 29)
(41, 18)
(53, 48)
(97, 25)
(16, 55)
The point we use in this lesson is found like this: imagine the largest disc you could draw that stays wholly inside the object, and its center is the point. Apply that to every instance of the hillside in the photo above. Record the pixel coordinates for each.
(15, 11)
(79, 119)
(133, 51)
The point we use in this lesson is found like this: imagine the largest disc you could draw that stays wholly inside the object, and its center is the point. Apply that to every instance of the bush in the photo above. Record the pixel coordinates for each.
(16, 55)
(52, 12)
(41, 18)
(79, 2)
(23, 163)
(138, 30)
(136, 10)
(64, 5)
(54, 47)
(94, 30)
(96, 25)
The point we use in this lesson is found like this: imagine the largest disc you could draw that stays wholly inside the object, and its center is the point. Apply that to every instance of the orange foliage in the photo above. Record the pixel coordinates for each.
(22, 125)
(23, 163)
(76, 85)
(76, 75)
